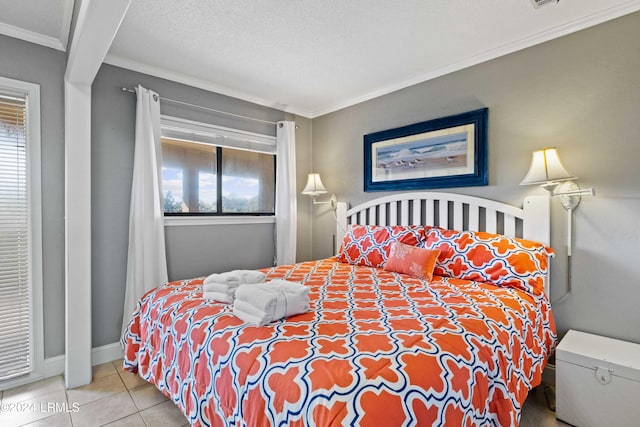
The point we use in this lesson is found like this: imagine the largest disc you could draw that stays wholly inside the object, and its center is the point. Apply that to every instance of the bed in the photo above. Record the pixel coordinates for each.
(379, 347)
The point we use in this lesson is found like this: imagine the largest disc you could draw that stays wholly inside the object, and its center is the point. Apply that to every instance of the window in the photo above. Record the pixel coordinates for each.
(188, 177)
(20, 243)
(209, 170)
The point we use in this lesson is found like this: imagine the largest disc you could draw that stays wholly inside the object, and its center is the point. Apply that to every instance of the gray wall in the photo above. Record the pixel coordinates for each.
(580, 93)
(36, 64)
(191, 250)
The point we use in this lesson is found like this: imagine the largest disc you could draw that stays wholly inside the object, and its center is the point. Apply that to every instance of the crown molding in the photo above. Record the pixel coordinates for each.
(535, 39)
(32, 37)
(163, 73)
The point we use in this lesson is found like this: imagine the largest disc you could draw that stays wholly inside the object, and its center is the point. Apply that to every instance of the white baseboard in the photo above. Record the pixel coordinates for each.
(106, 353)
(54, 366)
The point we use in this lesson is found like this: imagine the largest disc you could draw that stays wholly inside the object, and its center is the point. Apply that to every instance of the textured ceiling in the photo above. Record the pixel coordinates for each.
(312, 57)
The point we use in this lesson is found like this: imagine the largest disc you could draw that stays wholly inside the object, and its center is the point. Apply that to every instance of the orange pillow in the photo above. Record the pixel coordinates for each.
(490, 258)
(411, 260)
(369, 245)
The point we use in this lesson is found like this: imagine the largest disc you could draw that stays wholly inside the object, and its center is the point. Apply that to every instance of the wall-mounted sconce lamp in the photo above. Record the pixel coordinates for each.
(315, 187)
(547, 171)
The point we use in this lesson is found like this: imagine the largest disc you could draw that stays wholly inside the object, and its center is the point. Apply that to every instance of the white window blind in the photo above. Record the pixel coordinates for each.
(16, 331)
(205, 133)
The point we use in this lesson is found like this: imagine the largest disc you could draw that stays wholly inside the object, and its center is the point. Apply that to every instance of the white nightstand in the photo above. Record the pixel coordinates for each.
(597, 381)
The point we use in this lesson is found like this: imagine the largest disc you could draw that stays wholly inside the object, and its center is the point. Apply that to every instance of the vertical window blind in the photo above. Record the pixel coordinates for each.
(16, 333)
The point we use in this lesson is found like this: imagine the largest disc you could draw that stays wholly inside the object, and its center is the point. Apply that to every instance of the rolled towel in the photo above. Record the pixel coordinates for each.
(236, 277)
(263, 303)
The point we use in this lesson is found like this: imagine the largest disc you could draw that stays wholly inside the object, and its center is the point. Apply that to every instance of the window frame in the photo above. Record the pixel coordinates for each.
(178, 128)
(31, 92)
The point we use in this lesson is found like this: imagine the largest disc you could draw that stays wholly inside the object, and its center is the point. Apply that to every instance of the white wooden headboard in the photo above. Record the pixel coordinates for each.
(452, 211)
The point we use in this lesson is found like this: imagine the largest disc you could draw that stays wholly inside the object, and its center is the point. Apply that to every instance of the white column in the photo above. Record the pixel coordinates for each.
(97, 24)
(78, 234)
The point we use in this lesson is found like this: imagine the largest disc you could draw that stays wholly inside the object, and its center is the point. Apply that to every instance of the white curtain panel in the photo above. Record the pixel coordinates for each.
(146, 261)
(286, 206)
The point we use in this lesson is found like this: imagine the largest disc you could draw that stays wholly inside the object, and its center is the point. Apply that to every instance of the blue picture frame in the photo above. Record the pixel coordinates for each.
(440, 153)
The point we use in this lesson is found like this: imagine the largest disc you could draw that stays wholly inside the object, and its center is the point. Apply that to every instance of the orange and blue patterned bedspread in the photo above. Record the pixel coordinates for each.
(377, 348)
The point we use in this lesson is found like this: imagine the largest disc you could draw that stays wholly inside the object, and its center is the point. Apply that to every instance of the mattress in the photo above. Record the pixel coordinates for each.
(376, 348)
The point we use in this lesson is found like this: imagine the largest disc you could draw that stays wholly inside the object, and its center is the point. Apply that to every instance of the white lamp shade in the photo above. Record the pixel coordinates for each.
(545, 168)
(314, 185)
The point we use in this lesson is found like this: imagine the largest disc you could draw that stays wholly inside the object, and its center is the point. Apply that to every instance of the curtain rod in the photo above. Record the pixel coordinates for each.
(124, 89)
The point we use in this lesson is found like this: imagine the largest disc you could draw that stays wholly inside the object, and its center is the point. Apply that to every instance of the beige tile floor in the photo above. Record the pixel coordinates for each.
(114, 398)
(118, 398)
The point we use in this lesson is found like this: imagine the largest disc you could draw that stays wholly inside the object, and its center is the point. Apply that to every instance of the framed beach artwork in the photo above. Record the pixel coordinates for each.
(445, 152)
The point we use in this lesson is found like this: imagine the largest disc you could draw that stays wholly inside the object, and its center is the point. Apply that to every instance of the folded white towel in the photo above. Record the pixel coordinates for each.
(263, 303)
(236, 277)
(222, 287)
(249, 314)
(225, 297)
(290, 287)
